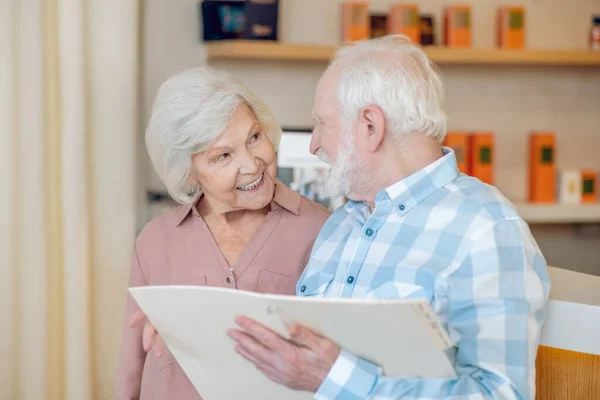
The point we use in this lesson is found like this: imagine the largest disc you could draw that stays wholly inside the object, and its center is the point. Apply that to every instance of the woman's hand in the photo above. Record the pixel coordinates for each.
(150, 338)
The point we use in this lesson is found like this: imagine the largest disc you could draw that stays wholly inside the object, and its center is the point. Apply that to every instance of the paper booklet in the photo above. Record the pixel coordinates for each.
(404, 337)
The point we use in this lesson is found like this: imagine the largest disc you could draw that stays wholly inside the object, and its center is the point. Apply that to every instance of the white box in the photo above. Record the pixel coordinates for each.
(569, 187)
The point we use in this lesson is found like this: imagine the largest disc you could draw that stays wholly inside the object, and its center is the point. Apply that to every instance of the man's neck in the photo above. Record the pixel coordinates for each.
(398, 160)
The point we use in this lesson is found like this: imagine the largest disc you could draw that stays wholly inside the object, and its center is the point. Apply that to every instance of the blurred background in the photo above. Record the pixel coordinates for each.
(77, 83)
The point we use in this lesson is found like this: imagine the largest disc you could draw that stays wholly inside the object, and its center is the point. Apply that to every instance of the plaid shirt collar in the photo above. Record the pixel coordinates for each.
(405, 194)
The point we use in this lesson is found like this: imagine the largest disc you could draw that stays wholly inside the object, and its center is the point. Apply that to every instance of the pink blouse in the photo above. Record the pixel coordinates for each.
(178, 248)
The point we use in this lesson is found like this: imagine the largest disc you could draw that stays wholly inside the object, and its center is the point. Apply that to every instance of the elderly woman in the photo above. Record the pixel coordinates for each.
(212, 143)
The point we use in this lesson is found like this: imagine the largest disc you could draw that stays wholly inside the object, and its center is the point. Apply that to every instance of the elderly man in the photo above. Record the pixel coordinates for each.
(414, 227)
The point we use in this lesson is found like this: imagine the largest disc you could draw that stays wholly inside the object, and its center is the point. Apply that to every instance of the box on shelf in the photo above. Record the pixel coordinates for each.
(404, 19)
(481, 156)
(261, 19)
(457, 26)
(459, 142)
(379, 25)
(356, 21)
(569, 187)
(427, 29)
(511, 27)
(542, 172)
(239, 19)
(589, 187)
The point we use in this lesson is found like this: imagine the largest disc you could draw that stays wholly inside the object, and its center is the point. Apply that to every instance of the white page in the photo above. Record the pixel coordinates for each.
(402, 336)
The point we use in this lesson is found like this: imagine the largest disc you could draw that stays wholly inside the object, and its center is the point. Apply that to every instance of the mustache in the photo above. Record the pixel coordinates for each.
(323, 156)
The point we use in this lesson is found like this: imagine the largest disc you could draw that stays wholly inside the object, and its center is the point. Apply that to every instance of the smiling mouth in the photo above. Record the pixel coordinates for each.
(251, 185)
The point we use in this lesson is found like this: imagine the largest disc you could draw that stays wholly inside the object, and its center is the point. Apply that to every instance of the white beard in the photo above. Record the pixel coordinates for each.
(342, 173)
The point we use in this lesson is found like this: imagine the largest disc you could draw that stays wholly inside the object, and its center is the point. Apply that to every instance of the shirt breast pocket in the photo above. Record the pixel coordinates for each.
(315, 285)
(398, 290)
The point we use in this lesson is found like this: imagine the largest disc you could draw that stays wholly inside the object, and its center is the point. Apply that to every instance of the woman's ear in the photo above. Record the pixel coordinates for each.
(192, 180)
(192, 177)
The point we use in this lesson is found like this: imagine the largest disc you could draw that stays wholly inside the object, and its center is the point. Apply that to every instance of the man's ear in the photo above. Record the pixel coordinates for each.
(373, 122)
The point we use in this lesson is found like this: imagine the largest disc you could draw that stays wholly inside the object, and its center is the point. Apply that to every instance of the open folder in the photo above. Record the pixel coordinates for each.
(404, 337)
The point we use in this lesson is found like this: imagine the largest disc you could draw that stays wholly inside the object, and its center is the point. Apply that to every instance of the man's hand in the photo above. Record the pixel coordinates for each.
(150, 338)
(301, 364)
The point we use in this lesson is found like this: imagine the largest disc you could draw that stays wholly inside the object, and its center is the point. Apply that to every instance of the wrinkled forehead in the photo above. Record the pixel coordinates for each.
(326, 91)
(238, 127)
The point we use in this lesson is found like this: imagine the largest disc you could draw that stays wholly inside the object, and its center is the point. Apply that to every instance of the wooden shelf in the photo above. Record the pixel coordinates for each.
(559, 214)
(257, 50)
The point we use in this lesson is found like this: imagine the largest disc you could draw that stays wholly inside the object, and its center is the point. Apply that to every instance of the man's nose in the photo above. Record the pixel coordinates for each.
(315, 142)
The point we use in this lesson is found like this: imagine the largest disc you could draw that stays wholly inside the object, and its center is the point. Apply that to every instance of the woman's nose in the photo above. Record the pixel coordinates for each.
(249, 164)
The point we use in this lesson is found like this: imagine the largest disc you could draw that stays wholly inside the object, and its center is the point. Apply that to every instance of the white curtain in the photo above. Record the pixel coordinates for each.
(69, 117)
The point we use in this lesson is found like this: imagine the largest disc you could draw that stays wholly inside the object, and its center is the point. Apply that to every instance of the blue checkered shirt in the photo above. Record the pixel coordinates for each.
(440, 235)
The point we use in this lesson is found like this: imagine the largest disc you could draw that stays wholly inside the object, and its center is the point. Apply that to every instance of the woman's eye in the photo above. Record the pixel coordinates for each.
(255, 137)
(223, 157)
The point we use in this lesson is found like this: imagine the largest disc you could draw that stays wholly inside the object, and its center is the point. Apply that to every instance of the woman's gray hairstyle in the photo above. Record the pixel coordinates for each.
(191, 110)
(397, 76)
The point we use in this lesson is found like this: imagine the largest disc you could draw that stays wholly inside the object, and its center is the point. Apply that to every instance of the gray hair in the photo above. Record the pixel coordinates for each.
(397, 76)
(191, 110)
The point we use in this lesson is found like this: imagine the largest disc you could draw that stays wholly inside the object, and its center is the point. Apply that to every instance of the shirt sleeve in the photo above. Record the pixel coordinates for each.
(495, 300)
(132, 355)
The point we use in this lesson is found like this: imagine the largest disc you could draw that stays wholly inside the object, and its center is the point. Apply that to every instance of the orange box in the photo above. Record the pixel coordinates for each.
(404, 19)
(356, 21)
(457, 26)
(542, 171)
(511, 27)
(589, 188)
(481, 156)
(459, 142)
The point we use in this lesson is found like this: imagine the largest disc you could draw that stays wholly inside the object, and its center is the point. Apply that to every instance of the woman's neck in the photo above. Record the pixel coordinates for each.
(229, 217)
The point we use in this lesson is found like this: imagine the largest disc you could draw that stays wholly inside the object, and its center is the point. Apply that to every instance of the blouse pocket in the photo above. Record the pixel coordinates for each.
(165, 361)
(274, 283)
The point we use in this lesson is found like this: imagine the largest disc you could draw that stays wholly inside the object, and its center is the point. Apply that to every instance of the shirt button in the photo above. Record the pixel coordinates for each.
(350, 279)
(401, 207)
(303, 288)
(229, 279)
(369, 232)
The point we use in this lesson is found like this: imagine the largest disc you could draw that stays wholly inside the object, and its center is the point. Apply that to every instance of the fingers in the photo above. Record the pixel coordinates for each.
(261, 333)
(159, 346)
(137, 318)
(266, 368)
(246, 354)
(304, 336)
(249, 345)
(148, 336)
(323, 348)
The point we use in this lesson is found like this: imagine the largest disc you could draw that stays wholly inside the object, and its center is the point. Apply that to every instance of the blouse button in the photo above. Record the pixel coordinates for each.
(229, 279)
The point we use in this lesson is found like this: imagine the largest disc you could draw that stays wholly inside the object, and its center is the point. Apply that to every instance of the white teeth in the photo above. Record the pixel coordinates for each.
(252, 185)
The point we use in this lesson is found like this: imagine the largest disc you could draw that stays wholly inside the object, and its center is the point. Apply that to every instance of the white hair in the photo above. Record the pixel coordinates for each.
(397, 76)
(191, 110)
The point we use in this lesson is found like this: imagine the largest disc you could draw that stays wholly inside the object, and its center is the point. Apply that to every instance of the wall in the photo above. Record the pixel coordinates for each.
(510, 101)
